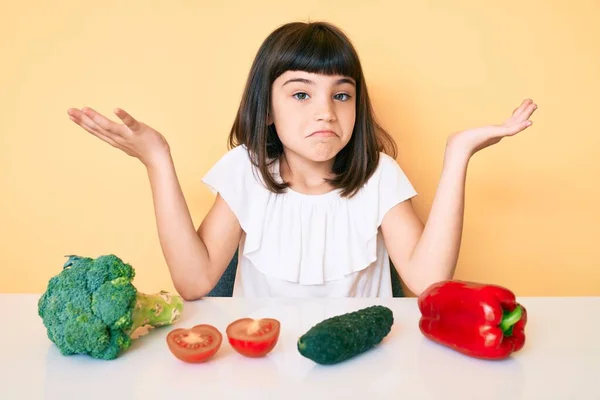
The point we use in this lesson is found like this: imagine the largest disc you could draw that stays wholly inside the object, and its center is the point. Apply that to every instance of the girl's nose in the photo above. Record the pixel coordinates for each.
(325, 112)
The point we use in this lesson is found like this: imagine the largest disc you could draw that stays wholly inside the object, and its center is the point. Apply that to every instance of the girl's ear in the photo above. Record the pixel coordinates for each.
(269, 119)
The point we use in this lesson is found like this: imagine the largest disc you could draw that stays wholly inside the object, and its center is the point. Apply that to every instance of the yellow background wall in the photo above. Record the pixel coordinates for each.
(532, 221)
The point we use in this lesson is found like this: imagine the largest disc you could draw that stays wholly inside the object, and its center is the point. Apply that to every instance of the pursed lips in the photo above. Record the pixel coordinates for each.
(325, 133)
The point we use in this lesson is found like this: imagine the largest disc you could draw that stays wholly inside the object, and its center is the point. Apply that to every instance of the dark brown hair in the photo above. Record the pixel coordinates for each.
(316, 47)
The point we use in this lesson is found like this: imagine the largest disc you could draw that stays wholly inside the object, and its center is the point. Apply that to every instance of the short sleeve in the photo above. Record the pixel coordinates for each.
(394, 187)
(231, 177)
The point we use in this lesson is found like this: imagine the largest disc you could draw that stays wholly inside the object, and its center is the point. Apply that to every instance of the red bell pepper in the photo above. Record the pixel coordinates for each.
(479, 320)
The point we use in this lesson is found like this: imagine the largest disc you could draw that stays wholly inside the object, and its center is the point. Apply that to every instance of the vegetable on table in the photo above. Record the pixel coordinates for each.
(91, 307)
(195, 345)
(344, 336)
(253, 337)
(479, 320)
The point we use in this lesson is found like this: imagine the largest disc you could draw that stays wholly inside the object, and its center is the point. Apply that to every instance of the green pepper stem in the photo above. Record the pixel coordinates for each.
(509, 319)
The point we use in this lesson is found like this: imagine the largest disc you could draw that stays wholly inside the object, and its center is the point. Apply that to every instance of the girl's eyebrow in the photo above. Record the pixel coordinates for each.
(309, 82)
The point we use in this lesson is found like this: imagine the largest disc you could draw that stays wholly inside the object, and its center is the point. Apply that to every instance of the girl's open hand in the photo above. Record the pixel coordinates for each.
(473, 140)
(133, 137)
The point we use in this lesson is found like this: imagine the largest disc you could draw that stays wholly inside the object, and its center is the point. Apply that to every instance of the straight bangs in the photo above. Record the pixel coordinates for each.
(316, 49)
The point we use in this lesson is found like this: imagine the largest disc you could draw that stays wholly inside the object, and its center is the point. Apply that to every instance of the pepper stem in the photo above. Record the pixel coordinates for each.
(509, 319)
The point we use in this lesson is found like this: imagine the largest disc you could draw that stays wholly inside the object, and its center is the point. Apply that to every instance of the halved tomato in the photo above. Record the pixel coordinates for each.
(194, 345)
(253, 337)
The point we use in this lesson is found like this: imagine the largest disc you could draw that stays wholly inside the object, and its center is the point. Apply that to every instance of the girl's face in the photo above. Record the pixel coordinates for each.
(313, 114)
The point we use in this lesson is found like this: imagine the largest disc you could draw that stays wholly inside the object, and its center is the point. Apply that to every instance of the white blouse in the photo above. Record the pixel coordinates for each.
(303, 245)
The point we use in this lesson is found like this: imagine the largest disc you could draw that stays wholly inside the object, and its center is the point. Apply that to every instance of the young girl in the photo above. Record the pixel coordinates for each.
(310, 192)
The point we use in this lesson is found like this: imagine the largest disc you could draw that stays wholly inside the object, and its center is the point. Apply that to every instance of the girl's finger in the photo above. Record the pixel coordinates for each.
(103, 122)
(93, 125)
(522, 116)
(527, 112)
(522, 107)
(513, 129)
(109, 137)
(96, 133)
(523, 112)
(127, 119)
(82, 119)
(525, 124)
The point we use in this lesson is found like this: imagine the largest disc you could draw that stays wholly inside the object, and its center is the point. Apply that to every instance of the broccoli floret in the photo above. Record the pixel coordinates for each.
(91, 307)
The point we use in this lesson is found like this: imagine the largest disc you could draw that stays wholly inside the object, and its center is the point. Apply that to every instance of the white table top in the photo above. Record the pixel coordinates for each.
(561, 358)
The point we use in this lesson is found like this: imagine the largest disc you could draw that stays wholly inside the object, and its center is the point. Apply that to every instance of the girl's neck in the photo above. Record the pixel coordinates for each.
(305, 176)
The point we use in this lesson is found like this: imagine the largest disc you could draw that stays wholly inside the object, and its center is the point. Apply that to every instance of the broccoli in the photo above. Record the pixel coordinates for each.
(92, 308)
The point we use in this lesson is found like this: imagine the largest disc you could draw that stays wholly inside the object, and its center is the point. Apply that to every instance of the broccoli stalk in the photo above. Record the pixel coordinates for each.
(153, 310)
(92, 308)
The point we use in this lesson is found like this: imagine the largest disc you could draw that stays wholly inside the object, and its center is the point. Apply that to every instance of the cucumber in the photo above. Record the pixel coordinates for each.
(344, 336)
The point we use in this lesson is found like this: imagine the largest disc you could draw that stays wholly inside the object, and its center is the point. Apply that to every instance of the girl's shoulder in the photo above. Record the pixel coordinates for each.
(232, 166)
(230, 175)
(237, 156)
(389, 179)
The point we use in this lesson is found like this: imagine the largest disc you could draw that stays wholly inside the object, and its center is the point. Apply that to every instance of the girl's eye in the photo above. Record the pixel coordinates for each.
(304, 96)
(300, 96)
(342, 98)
